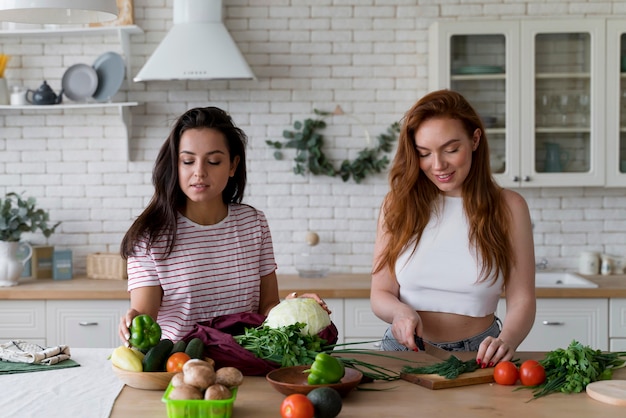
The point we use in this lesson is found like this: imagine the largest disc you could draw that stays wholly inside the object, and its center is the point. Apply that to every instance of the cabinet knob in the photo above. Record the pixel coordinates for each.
(516, 178)
(87, 324)
(526, 178)
(553, 323)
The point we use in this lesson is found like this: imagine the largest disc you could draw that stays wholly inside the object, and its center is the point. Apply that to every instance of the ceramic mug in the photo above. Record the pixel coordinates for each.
(589, 263)
(18, 96)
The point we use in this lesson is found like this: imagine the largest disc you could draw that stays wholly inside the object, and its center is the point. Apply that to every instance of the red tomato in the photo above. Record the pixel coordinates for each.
(505, 373)
(176, 361)
(297, 405)
(531, 373)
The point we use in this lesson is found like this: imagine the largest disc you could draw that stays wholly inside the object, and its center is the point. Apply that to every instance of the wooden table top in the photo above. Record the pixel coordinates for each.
(401, 399)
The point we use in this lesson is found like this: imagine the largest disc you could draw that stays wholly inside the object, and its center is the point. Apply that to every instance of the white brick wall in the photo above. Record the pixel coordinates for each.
(368, 57)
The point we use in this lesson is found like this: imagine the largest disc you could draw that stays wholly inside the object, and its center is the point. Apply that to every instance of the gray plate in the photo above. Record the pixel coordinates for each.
(79, 82)
(111, 70)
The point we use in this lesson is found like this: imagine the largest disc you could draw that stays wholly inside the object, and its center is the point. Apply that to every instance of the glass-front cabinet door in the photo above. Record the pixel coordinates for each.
(562, 97)
(616, 103)
(481, 61)
(539, 87)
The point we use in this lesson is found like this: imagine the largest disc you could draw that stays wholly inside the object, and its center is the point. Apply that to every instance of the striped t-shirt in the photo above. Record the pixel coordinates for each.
(213, 270)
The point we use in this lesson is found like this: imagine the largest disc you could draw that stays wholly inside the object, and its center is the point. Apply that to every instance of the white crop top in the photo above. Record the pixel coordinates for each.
(441, 274)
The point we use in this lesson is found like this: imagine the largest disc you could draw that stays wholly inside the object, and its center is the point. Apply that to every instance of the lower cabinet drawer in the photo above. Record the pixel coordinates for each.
(617, 318)
(559, 321)
(361, 324)
(617, 344)
(85, 323)
(24, 320)
(364, 343)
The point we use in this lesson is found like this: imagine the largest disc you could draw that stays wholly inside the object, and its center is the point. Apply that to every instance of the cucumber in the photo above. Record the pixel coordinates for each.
(195, 348)
(156, 357)
(179, 347)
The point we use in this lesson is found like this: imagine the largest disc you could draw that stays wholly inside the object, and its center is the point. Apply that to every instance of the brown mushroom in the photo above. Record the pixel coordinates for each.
(190, 364)
(185, 392)
(177, 380)
(217, 392)
(199, 376)
(229, 376)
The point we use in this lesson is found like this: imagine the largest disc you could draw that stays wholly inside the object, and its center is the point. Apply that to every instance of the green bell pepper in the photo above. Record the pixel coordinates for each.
(145, 333)
(326, 369)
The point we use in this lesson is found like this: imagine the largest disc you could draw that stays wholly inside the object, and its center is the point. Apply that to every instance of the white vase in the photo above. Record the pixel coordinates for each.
(11, 266)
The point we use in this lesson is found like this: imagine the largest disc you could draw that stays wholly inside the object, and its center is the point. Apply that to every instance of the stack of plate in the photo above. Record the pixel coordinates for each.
(100, 81)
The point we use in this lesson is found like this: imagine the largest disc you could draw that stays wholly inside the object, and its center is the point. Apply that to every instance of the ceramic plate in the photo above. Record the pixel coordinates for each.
(79, 82)
(111, 70)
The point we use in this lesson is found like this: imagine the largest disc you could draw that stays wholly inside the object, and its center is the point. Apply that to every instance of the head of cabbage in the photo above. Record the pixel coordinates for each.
(304, 310)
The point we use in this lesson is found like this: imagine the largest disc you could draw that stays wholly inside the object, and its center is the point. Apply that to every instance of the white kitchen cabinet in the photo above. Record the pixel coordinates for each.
(616, 104)
(617, 324)
(362, 325)
(23, 320)
(84, 323)
(539, 87)
(559, 321)
(123, 34)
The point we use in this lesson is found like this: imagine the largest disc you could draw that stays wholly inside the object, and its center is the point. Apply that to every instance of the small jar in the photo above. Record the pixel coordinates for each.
(606, 266)
(589, 263)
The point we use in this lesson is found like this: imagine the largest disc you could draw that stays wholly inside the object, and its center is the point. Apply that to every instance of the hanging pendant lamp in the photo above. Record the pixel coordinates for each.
(58, 11)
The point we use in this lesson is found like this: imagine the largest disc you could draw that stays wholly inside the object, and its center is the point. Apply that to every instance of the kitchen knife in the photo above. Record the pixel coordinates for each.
(432, 350)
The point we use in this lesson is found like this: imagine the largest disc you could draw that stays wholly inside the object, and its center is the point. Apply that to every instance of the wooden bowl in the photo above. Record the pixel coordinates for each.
(144, 380)
(288, 380)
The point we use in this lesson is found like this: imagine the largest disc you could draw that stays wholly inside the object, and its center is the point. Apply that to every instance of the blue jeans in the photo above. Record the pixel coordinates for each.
(389, 343)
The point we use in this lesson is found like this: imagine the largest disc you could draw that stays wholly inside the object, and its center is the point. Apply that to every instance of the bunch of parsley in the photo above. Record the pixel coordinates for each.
(285, 345)
(570, 370)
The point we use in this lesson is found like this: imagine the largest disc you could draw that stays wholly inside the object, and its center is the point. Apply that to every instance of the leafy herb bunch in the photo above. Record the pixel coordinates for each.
(570, 370)
(286, 345)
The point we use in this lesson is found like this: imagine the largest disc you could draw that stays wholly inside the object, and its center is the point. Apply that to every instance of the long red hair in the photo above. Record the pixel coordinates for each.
(409, 203)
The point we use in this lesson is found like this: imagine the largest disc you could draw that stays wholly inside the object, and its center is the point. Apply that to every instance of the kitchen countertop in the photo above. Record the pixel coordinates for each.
(256, 398)
(347, 286)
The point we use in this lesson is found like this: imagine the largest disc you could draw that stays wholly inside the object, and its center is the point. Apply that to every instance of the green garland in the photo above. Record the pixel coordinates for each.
(310, 155)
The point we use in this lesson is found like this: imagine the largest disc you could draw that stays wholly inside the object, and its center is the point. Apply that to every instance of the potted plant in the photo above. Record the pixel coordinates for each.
(17, 216)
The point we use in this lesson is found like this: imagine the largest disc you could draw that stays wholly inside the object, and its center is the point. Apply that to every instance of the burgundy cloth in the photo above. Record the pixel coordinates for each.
(219, 344)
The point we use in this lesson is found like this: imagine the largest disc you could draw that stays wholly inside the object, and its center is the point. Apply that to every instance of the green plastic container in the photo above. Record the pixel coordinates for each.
(198, 408)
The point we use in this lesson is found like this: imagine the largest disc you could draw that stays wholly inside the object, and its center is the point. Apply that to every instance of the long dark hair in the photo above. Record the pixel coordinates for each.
(408, 205)
(159, 217)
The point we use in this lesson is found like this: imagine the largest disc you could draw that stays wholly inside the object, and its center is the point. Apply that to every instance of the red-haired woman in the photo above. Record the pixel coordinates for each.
(450, 240)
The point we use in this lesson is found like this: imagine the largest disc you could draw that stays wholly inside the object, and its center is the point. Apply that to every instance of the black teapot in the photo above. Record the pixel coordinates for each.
(44, 95)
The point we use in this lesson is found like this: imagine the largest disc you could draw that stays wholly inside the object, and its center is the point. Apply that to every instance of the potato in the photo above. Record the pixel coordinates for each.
(185, 392)
(217, 392)
(229, 376)
(199, 376)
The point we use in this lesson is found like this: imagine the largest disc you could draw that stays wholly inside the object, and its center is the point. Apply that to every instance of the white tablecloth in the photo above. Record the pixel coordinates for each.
(88, 391)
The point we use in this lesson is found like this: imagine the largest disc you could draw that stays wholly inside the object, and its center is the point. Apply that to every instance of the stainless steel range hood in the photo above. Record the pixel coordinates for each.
(197, 47)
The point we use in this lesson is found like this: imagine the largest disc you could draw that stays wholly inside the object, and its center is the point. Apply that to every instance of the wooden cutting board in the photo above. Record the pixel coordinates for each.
(434, 381)
(608, 391)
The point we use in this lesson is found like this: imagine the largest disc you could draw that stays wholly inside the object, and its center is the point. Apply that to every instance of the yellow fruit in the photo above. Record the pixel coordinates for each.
(124, 358)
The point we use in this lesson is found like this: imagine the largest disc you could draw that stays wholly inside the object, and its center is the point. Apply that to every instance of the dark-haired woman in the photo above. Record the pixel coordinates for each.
(196, 251)
(450, 240)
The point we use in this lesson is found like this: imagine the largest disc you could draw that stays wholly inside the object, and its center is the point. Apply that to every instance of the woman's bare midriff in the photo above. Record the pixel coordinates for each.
(442, 327)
